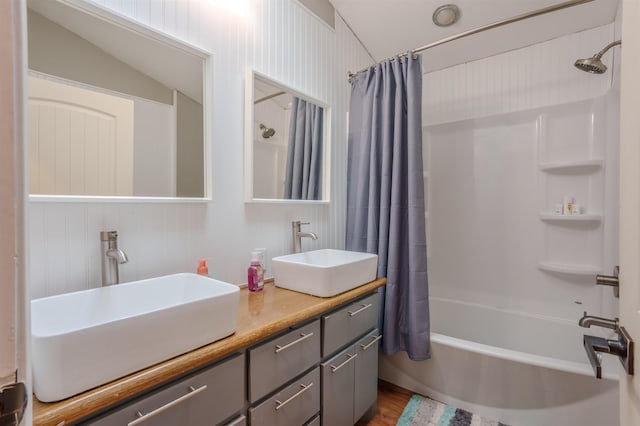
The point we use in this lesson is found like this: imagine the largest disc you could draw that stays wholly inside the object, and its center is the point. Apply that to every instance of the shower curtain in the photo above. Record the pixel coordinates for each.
(303, 175)
(385, 196)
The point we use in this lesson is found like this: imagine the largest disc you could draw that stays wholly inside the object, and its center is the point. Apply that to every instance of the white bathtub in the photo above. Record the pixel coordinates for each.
(522, 370)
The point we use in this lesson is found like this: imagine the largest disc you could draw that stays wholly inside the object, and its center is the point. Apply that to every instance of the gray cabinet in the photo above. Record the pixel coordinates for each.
(204, 398)
(350, 375)
(294, 405)
(350, 382)
(332, 359)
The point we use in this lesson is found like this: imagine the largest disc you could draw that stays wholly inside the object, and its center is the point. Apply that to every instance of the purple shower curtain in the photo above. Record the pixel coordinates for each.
(385, 196)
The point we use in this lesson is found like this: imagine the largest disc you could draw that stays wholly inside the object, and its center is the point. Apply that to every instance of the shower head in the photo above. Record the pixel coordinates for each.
(594, 64)
(267, 132)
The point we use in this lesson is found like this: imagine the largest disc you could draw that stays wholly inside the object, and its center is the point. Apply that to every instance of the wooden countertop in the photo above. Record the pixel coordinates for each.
(259, 315)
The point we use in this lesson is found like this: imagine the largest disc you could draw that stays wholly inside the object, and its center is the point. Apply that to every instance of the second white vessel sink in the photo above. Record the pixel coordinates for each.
(324, 273)
(84, 339)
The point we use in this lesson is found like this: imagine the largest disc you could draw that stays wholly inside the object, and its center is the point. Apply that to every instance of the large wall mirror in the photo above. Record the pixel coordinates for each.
(115, 109)
(287, 143)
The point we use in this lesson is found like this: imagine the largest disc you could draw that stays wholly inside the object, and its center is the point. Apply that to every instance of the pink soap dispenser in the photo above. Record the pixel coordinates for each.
(255, 274)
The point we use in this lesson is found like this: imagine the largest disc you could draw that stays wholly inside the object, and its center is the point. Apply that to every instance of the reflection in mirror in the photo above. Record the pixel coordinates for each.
(286, 143)
(115, 109)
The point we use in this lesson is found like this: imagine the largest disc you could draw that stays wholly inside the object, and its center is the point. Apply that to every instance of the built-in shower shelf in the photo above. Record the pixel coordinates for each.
(569, 268)
(580, 166)
(554, 217)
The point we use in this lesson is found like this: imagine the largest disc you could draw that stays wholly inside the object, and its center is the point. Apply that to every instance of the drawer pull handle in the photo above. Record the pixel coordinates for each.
(368, 345)
(144, 417)
(298, 340)
(279, 404)
(334, 368)
(356, 312)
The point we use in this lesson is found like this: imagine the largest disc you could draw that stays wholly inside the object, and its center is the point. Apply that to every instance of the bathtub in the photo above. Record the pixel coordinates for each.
(520, 369)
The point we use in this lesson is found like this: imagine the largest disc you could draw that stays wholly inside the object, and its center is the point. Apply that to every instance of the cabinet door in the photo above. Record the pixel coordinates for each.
(366, 374)
(203, 399)
(337, 389)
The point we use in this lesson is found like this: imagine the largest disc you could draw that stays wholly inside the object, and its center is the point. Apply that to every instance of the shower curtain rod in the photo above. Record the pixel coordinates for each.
(266, 98)
(511, 20)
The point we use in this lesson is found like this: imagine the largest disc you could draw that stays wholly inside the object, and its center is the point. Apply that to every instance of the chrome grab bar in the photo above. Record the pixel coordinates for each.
(611, 280)
(334, 368)
(298, 340)
(368, 345)
(367, 306)
(144, 417)
(279, 404)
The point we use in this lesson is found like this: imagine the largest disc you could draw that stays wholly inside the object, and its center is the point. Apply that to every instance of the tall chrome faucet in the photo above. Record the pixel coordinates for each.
(297, 235)
(111, 257)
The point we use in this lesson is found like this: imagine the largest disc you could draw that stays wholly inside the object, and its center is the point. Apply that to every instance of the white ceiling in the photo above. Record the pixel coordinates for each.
(389, 27)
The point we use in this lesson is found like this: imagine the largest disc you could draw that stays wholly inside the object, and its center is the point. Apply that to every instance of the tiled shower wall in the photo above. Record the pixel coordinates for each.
(278, 38)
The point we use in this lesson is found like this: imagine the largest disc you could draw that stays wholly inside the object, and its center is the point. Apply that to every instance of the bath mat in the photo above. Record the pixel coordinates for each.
(422, 411)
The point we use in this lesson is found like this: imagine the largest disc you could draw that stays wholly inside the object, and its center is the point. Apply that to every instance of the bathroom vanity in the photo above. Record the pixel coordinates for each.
(295, 359)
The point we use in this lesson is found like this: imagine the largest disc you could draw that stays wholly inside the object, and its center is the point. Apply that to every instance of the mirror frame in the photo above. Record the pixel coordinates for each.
(248, 141)
(152, 34)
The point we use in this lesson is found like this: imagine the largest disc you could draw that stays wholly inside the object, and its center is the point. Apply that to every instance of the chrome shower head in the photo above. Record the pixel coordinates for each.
(594, 64)
(267, 132)
(591, 65)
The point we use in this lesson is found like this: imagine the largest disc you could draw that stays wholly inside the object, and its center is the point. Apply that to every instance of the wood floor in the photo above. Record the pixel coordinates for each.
(391, 401)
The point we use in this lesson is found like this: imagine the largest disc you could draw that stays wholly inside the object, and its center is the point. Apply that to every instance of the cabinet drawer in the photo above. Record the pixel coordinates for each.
(292, 406)
(277, 361)
(205, 398)
(344, 325)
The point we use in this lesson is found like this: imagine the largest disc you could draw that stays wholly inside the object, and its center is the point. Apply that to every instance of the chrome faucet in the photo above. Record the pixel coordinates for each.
(111, 257)
(589, 320)
(297, 235)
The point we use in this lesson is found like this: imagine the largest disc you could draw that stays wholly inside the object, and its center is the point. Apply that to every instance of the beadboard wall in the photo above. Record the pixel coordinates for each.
(279, 38)
(532, 77)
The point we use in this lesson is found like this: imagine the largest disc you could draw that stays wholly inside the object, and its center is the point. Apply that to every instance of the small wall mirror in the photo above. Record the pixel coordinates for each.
(115, 108)
(287, 144)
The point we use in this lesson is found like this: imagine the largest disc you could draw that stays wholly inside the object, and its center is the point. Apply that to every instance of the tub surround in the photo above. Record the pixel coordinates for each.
(260, 315)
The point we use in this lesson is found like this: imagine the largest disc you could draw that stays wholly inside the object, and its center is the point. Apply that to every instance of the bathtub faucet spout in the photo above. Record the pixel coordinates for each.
(589, 320)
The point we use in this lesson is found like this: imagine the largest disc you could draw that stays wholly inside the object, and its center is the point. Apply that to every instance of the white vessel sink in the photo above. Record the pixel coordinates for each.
(84, 339)
(324, 273)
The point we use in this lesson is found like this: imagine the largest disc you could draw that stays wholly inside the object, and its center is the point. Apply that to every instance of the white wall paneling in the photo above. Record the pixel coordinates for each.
(491, 126)
(278, 38)
(493, 237)
(532, 77)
